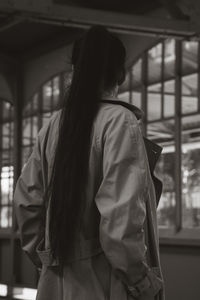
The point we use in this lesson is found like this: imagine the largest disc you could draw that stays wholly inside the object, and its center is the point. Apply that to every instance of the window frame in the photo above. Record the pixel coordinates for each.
(177, 235)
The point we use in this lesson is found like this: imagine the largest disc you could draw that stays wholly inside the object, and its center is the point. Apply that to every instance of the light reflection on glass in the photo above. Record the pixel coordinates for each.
(47, 95)
(169, 53)
(24, 293)
(3, 290)
(7, 179)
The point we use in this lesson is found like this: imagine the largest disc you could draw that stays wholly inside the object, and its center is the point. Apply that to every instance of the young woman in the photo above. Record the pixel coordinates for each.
(86, 199)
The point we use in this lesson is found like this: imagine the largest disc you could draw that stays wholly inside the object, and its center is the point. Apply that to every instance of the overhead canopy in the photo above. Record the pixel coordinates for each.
(30, 30)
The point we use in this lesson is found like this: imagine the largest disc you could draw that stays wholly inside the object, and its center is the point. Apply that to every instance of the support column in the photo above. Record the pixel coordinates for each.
(18, 105)
(144, 89)
(178, 133)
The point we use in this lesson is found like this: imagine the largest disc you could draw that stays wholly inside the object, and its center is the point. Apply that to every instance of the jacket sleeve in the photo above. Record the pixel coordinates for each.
(29, 201)
(121, 203)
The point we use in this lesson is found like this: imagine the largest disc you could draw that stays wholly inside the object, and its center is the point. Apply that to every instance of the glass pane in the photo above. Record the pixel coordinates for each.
(163, 134)
(191, 171)
(29, 108)
(169, 86)
(6, 184)
(24, 293)
(6, 167)
(56, 91)
(5, 140)
(124, 97)
(11, 134)
(136, 75)
(190, 56)
(137, 99)
(169, 58)
(3, 290)
(27, 134)
(189, 93)
(7, 135)
(32, 106)
(169, 98)
(7, 109)
(153, 102)
(6, 156)
(155, 64)
(47, 96)
(154, 78)
(155, 88)
(6, 217)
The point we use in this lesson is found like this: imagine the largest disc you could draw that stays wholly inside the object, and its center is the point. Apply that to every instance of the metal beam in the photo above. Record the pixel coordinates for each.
(65, 15)
(178, 138)
(6, 59)
(11, 21)
(61, 40)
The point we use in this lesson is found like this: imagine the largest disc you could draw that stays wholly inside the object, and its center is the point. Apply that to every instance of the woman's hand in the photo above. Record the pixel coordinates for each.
(147, 295)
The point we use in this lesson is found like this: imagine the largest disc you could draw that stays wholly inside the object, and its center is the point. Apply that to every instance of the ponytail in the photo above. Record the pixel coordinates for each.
(98, 61)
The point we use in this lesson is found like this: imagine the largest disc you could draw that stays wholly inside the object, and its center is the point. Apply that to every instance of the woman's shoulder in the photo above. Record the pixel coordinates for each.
(114, 112)
(114, 119)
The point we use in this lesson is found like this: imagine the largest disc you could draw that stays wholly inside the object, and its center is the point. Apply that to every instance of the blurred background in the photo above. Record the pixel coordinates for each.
(162, 39)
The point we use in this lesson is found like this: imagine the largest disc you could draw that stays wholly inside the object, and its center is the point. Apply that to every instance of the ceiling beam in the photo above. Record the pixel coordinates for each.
(64, 15)
(10, 21)
(59, 41)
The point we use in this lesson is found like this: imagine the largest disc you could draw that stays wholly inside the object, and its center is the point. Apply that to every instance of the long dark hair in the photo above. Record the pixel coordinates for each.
(98, 59)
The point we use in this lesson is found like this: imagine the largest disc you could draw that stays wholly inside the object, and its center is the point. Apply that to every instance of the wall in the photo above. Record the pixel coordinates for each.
(181, 271)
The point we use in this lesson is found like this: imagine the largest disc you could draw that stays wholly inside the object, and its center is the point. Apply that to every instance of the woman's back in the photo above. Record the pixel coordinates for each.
(111, 212)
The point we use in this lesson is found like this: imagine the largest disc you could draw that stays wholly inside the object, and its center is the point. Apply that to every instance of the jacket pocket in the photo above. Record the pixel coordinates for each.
(149, 286)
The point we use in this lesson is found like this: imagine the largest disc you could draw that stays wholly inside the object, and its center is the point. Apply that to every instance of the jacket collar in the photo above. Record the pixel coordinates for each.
(138, 112)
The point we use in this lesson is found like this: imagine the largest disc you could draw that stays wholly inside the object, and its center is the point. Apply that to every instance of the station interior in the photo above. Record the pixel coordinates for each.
(162, 40)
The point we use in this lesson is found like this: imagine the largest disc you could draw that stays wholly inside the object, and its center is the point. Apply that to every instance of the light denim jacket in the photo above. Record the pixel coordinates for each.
(117, 254)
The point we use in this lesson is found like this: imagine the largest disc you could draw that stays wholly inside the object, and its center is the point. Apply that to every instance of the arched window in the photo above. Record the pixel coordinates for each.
(6, 163)
(165, 84)
(37, 112)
